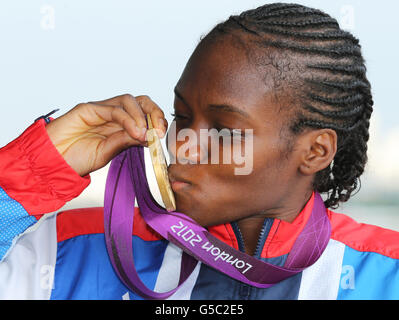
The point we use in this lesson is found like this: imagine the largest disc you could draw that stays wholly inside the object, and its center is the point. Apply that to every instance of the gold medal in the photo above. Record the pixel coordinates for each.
(160, 167)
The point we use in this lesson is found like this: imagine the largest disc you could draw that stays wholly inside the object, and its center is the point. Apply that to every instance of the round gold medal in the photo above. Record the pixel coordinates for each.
(160, 167)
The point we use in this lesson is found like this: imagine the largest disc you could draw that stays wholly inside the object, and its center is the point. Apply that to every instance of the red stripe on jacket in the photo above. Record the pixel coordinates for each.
(77, 222)
(359, 236)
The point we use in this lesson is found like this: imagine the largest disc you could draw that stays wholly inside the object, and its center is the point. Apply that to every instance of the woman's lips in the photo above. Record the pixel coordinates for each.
(179, 185)
(177, 181)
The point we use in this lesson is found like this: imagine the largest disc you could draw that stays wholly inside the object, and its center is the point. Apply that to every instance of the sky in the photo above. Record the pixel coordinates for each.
(56, 54)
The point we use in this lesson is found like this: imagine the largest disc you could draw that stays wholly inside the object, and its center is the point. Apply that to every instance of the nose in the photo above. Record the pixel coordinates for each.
(186, 146)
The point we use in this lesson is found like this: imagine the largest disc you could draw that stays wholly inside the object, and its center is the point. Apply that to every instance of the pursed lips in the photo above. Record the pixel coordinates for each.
(177, 182)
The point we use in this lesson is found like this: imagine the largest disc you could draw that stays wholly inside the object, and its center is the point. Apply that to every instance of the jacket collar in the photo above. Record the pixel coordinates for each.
(276, 237)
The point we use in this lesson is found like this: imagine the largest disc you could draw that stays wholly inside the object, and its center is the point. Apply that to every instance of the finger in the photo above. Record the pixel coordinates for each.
(129, 103)
(157, 115)
(122, 118)
(147, 106)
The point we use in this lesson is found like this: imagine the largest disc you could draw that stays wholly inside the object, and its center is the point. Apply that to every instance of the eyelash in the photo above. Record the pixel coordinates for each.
(177, 116)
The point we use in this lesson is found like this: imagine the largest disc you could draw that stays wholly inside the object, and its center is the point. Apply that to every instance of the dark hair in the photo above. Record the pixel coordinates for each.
(328, 75)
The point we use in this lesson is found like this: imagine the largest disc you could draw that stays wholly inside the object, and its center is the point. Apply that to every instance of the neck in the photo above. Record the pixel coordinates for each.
(251, 227)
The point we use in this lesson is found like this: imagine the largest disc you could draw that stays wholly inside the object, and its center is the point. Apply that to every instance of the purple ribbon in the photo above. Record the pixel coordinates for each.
(127, 180)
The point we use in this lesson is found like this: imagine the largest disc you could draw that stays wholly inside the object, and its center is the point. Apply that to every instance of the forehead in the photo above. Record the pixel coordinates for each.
(221, 71)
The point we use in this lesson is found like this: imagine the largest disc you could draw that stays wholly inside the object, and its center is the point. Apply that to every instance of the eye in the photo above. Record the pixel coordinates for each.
(179, 116)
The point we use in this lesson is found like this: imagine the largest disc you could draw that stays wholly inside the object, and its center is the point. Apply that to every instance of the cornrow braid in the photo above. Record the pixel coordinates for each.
(330, 81)
(332, 35)
(334, 50)
(309, 23)
(352, 70)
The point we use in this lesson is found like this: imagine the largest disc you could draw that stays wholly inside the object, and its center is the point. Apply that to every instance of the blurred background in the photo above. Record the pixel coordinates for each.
(58, 53)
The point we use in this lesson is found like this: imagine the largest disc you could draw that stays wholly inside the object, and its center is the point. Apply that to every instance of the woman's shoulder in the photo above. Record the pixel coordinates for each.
(364, 237)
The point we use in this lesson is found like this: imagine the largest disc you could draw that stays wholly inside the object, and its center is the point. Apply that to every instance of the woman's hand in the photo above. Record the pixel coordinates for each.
(92, 134)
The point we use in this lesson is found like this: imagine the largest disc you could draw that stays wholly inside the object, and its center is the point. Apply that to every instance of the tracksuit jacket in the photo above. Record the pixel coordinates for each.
(47, 254)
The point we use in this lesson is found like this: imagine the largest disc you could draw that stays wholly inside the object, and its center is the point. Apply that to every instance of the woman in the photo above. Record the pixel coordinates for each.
(285, 71)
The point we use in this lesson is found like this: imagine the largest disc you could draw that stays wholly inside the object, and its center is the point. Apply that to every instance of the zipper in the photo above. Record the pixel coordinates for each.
(238, 234)
(245, 291)
(267, 223)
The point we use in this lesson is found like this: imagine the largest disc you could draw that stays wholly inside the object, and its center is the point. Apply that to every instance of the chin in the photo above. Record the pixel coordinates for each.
(194, 212)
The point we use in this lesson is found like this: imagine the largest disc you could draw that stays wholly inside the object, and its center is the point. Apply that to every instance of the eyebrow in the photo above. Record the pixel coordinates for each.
(216, 107)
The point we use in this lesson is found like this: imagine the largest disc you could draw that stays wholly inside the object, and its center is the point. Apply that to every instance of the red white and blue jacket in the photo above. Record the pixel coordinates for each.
(46, 254)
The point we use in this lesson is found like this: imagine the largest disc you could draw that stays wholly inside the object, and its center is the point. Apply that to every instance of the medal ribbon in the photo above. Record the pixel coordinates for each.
(127, 180)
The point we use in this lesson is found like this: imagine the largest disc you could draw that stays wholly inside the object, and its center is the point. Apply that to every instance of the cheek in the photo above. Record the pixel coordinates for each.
(214, 199)
(228, 192)
(268, 180)
(223, 197)
(275, 173)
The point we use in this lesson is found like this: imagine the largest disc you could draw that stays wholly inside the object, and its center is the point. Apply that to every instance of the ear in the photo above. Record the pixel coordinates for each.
(318, 150)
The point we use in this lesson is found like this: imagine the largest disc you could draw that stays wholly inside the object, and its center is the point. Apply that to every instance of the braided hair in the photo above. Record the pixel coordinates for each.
(326, 72)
